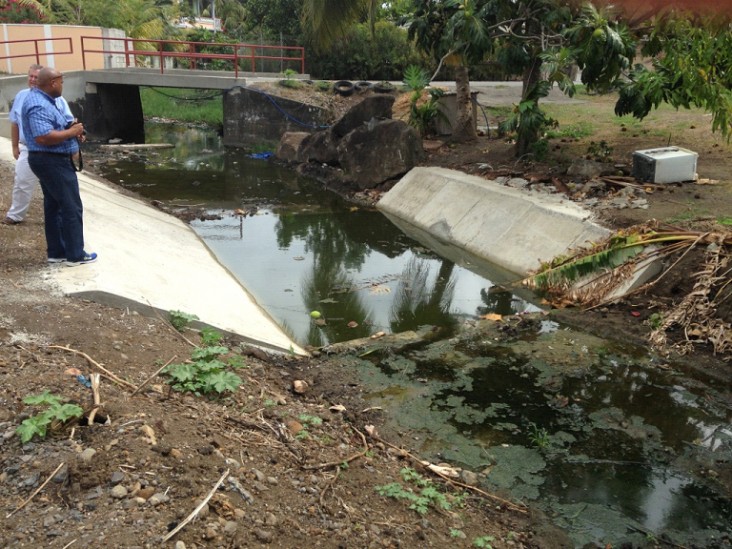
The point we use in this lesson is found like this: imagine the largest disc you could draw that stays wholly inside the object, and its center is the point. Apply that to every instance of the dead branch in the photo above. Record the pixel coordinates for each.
(337, 464)
(148, 380)
(34, 494)
(508, 504)
(90, 360)
(197, 510)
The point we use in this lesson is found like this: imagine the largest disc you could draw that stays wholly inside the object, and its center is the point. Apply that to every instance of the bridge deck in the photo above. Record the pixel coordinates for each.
(180, 78)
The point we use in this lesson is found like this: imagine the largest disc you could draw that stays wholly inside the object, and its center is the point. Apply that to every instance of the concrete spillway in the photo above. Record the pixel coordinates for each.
(514, 229)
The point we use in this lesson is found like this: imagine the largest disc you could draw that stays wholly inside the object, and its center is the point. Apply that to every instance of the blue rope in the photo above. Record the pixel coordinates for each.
(286, 114)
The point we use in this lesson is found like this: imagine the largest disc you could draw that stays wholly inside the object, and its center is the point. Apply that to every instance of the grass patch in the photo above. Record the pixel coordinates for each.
(186, 105)
(577, 130)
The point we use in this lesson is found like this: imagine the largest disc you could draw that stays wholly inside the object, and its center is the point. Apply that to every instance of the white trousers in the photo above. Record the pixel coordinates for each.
(25, 182)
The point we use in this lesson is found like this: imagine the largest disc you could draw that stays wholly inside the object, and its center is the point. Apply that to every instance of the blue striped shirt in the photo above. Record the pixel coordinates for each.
(15, 112)
(39, 116)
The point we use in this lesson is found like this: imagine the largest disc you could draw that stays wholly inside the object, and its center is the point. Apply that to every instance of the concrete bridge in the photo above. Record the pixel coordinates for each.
(108, 102)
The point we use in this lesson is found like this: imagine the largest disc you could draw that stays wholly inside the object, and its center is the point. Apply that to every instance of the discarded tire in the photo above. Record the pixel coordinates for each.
(343, 87)
(363, 86)
(384, 87)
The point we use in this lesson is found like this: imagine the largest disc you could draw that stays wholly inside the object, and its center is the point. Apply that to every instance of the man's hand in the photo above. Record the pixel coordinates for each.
(16, 151)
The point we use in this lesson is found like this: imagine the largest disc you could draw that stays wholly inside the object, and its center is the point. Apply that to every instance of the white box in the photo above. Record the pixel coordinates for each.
(665, 165)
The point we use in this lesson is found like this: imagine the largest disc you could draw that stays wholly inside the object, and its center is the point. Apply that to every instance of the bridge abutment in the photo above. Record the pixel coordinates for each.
(253, 116)
(113, 111)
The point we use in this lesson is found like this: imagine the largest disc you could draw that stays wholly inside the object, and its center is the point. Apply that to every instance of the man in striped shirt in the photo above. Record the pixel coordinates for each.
(51, 142)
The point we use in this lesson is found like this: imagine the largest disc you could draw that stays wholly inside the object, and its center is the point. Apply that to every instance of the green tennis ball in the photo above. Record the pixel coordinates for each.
(315, 314)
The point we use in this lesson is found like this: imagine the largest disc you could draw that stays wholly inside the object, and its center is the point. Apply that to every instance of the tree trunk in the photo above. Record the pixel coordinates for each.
(464, 129)
(528, 136)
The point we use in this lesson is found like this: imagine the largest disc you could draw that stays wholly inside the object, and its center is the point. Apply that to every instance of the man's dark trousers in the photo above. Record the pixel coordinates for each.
(62, 206)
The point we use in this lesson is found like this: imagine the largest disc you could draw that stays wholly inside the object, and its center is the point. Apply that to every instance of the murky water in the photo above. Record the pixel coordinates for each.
(614, 445)
(304, 249)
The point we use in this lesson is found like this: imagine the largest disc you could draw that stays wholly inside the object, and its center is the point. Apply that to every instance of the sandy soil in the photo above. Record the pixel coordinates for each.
(290, 481)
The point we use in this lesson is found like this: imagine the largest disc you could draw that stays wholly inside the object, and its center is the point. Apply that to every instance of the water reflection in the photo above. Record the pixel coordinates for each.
(302, 248)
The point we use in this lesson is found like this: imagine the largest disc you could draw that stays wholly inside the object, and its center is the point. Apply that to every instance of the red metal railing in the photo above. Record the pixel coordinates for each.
(36, 53)
(193, 55)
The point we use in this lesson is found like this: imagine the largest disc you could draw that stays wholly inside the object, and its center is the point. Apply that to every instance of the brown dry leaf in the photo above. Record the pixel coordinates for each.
(337, 408)
(72, 372)
(352, 324)
(377, 335)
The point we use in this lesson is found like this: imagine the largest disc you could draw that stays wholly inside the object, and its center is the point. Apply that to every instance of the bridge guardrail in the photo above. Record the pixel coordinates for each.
(38, 52)
(135, 52)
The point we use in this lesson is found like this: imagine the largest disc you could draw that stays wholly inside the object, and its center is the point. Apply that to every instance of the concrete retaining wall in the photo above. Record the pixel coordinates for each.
(514, 229)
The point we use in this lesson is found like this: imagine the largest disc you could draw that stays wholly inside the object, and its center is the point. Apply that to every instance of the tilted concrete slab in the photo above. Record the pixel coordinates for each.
(151, 260)
(514, 229)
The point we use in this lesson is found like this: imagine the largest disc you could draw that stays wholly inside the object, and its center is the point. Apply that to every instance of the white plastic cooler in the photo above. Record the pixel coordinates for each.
(664, 165)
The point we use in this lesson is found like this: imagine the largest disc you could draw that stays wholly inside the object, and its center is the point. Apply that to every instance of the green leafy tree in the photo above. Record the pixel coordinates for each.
(454, 32)
(691, 66)
(326, 20)
(22, 11)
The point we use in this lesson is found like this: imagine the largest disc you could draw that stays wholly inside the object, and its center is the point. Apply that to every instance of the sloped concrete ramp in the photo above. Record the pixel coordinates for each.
(514, 229)
(151, 260)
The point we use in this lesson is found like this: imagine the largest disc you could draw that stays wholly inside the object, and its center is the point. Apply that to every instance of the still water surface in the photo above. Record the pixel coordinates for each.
(612, 447)
(304, 249)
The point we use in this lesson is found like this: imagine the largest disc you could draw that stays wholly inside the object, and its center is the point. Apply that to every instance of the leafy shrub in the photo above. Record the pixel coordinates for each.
(207, 371)
(56, 411)
(181, 320)
(359, 57)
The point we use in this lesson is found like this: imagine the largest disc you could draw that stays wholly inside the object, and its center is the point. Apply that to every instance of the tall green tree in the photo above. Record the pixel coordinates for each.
(454, 32)
(691, 66)
(326, 20)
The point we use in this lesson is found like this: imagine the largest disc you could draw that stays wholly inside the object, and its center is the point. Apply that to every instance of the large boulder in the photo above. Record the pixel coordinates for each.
(289, 146)
(372, 154)
(319, 147)
(377, 107)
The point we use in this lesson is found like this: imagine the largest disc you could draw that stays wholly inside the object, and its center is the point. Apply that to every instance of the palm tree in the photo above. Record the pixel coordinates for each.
(454, 33)
(327, 20)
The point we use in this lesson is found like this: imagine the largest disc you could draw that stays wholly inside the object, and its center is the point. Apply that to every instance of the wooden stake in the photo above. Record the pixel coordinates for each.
(95, 381)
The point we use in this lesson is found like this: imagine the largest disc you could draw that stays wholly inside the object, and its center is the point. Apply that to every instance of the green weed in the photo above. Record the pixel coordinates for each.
(538, 436)
(484, 542)
(726, 221)
(307, 422)
(181, 320)
(208, 371)
(290, 81)
(209, 336)
(427, 494)
(655, 321)
(56, 411)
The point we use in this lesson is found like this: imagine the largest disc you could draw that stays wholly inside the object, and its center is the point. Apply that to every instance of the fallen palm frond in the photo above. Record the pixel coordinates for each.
(696, 314)
(590, 274)
(598, 275)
